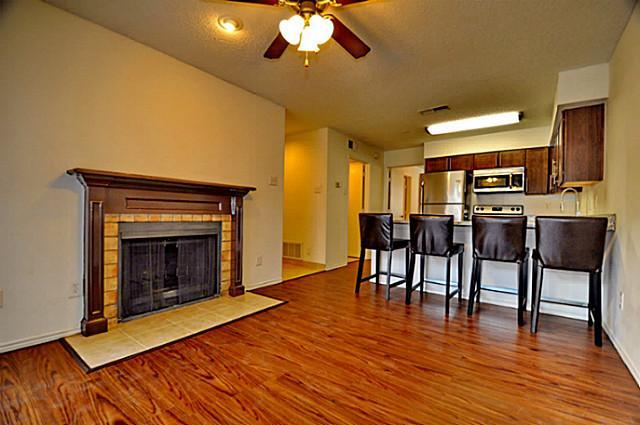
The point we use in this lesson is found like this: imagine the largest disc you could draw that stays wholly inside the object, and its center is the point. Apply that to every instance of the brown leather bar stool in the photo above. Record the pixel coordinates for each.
(499, 238)
(432, 235)
(574, 244)
(376, 233)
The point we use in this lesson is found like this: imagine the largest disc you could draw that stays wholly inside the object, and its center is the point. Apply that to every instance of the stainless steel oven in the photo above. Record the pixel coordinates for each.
(499, 180)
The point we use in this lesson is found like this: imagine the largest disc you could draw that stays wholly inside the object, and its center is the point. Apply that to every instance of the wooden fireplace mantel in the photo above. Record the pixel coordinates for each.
(108, 192)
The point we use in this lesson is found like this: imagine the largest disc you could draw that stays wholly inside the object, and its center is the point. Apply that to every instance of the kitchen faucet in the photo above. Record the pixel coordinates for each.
(577, 202)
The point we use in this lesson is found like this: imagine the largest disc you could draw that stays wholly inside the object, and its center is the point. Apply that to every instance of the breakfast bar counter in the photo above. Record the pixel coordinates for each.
(559, 285)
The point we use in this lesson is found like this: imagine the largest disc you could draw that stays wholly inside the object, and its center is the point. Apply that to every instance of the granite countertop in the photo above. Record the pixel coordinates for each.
(531, 221)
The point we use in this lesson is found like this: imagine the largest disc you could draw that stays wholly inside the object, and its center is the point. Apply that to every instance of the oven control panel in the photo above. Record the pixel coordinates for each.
(498, 209)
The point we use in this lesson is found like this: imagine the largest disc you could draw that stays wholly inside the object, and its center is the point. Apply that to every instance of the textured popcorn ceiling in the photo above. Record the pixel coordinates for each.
(476, 56)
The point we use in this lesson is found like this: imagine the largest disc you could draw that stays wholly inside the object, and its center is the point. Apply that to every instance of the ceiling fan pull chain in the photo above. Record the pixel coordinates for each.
(306, 59)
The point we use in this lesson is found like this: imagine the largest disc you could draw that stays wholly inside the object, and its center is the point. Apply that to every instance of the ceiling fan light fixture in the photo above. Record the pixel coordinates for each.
(308, 41)
(291, 29)
(322, 28)
(474, 123)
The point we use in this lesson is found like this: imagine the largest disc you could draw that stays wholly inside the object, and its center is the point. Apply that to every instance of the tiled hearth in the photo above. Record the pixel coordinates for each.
(111, 254)
(146, 333)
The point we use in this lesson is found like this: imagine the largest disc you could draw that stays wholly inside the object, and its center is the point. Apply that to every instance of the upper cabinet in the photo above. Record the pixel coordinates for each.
(461, 162)
(515, 158)
(537, 171)
(485, 160)
(577, 150)
(535, 160)
(433, 165)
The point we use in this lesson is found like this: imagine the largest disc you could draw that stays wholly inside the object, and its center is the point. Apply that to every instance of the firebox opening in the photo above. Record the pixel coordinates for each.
(163, 265)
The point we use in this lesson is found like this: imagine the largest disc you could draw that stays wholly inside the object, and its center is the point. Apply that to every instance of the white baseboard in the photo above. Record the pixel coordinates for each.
(35, 340)
(626, 359)
(263, 284)
(329, 268)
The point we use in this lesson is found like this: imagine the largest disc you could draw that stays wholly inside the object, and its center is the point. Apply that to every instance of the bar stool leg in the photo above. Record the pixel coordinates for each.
(590, 308)
(378, 260)
(526, 284)
(448, 287)
(409, 278)
(423, 265)
(460, 271)
(521, 299)
(360, 267)
(389, 257)
(472, 287)
(478, 281)
(597, 305)
(538, 274)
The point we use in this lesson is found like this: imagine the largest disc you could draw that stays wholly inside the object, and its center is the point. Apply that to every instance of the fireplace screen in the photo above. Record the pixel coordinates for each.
(166, 264)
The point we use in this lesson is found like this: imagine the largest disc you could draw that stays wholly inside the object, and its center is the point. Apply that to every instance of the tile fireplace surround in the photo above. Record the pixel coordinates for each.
(111, 254)
(112, 198)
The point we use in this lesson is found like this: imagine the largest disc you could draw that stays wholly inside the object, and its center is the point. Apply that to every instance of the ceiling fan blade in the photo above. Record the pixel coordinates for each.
(277, 48)
(348, 40)
(265, 2)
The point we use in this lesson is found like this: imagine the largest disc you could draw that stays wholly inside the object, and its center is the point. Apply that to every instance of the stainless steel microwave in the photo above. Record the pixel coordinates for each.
(499, 180)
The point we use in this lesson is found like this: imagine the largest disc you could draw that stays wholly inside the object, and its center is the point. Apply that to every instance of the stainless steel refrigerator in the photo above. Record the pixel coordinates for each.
(445, 193)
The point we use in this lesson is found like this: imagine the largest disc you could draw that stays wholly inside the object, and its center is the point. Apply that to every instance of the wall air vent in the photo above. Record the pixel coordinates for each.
(352, 145)
(434, 109)
(292, 250)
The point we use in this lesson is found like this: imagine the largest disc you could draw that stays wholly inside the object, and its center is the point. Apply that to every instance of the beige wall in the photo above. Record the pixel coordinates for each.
(619, 193)
(74, 94)
(357, 204)
(513, 139)
(404, 157)
(397, 189)
(327, 165)
(305, 193)
(338, 197)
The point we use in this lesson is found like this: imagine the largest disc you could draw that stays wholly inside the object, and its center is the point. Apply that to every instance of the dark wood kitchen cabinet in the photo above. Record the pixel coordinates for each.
(581, 146)
(537, 171)
(433, 165)
(514, 158)
(485, 160)
(461, 162)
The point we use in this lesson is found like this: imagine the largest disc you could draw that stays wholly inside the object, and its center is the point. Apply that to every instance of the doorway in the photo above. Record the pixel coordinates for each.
(358, 202)
(404, 191)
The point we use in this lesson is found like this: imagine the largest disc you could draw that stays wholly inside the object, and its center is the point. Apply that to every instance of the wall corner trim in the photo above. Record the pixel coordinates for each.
(626, 359)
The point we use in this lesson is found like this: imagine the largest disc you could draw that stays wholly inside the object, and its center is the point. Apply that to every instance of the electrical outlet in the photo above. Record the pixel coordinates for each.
(621, 298)
(259, 261)
(273, 181)
(75, 291)
(1, 298)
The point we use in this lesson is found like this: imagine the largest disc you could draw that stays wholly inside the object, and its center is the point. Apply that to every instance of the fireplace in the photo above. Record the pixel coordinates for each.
(163, 265)
(152, 243)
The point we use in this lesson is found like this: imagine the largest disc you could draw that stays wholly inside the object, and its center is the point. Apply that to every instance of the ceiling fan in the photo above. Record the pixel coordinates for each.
(312, 26)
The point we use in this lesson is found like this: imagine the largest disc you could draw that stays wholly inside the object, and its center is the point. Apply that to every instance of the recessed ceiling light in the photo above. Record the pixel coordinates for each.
(483, 121)
(229, 23)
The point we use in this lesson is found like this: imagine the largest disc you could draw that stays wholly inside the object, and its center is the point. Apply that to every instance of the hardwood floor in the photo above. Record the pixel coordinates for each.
(331, 357)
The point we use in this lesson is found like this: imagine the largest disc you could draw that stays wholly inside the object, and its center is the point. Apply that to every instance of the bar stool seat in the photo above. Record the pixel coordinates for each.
(376, 233)
(502, 239)
(573, 244)
(432, 235)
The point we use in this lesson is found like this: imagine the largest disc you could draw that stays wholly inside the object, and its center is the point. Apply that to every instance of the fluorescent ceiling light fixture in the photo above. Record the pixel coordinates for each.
(483, 121)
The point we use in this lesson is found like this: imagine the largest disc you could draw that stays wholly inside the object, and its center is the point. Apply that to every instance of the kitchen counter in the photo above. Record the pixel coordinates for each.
(559, 285)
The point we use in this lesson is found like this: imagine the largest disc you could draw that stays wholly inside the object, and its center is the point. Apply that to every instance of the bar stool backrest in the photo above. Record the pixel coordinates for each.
(571, 243)
(499, 238)
(376, 231)
(431, 234)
